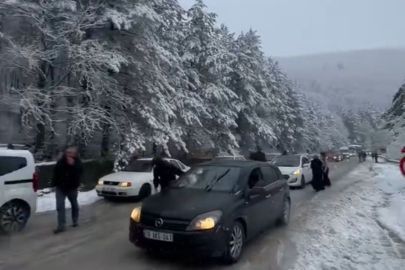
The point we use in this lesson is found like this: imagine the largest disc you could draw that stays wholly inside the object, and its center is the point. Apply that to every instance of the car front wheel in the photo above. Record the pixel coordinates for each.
(235, 243)
(284, 219)
(302, 182)
(13, 217)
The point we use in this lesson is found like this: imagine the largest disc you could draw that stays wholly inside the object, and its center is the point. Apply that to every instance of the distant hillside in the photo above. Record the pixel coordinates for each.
(349, 79)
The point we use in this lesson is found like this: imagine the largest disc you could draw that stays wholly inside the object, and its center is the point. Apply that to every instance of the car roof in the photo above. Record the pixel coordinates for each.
(235, 163)
(150, 159)
(13, 152)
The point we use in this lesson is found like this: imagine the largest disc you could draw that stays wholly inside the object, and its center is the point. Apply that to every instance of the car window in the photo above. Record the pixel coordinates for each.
(269, 175)
(139, 166)
(305, 160)
(11, 164)
(256, 179)
(215, 178)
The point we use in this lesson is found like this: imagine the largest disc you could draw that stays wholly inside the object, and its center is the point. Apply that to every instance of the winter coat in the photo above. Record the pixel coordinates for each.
(258, 156)
(325, 163)
(66, 177)
(165, 172)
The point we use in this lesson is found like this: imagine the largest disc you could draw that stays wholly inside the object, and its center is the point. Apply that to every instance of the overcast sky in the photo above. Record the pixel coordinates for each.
(297, 27)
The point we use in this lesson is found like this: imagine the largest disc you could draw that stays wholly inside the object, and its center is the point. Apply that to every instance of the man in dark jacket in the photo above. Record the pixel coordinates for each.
(164, 173)
(258, 155)
(317, 174)
(66, 180)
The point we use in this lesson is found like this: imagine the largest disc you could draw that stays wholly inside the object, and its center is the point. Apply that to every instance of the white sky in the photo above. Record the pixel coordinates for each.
(296, 27)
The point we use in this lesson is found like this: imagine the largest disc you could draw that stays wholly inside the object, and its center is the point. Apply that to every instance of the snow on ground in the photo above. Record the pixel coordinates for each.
(357, 224)
(47, 202)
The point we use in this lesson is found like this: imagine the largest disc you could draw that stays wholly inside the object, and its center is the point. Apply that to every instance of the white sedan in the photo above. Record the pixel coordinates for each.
(296, 169)
(136, 180)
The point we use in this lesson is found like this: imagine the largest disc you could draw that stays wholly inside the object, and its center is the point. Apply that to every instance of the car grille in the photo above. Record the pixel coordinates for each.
(286, 176)
(168, 224)
(108, 193)
(111, 183)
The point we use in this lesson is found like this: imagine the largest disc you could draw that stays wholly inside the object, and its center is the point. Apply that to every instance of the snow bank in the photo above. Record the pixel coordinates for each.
(392, 213)
(342, 230)
(47, 202)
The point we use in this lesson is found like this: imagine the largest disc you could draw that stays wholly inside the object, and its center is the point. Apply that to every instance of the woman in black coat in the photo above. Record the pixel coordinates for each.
(317, 174)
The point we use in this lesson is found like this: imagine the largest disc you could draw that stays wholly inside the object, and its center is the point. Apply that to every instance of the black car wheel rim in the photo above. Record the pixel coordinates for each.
(13, 218)
(236, 242)
(286, 212)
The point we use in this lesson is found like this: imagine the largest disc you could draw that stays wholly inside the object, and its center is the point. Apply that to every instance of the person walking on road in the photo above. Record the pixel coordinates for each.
(374, 155)
(325, 169)
(360, 156)
(164, 173)
(66, 180)
(258, 155)
(317, 174)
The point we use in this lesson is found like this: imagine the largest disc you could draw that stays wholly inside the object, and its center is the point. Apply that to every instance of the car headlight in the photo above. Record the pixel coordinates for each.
(125, 184)
(297, 172)
(100, 182)
(136, 214)
(205, 221)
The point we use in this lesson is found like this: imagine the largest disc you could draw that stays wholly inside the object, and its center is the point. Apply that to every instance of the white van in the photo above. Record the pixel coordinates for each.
(18, 186)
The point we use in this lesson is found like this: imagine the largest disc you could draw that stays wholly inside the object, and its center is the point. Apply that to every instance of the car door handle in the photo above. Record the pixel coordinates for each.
(268, 196)
(281, 189)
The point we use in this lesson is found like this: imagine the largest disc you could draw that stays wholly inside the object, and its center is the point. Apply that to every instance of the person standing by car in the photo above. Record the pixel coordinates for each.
(325, 169)
(164, 173)
(258, 155)
(66, 180)
(317, 174)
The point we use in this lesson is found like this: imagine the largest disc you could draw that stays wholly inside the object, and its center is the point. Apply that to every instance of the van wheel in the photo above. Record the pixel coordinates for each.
(302, 182)
(235, 243)
(13, 217)
(145, 191)
(284, 219)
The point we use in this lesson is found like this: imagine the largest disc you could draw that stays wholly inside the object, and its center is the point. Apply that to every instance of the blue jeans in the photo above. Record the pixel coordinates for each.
(60, 206)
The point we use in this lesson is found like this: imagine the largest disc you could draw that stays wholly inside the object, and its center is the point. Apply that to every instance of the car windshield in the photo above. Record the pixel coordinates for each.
(287, 161)
(217, 178)
(139, 166)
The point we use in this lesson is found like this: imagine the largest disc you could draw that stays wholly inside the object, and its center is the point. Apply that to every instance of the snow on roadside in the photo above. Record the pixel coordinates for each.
(392, 213)
(47, 202)
(340, 229)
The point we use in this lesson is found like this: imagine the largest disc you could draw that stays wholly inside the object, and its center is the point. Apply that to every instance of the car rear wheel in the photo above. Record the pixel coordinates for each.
(284, 219)
(303, 182)
(235, 243)
(145, 191)
(13, 217)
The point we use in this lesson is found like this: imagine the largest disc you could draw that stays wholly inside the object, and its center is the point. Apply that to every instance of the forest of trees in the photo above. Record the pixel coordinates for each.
(112, 76)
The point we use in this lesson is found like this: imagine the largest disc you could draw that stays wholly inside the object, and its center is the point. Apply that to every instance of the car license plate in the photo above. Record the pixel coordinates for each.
(108, 189)
(166, 237)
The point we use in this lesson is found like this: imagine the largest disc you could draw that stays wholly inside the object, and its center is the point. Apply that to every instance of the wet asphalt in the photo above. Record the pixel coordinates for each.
(101, 241)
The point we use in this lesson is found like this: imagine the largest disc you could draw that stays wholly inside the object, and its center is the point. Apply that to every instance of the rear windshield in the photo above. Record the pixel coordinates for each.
(217, 178)
(11, 164)
(287, 161)
(139, 166)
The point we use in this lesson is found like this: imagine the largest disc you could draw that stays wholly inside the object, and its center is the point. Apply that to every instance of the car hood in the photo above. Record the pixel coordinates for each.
(128, 177)
(185, 203)
(288, 170)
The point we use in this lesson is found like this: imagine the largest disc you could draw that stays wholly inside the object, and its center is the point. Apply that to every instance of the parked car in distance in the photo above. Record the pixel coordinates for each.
(213, 210)
(18, 186)
(229, 158)
(136, 180)
(295, 169)
(271, 156)
(334, 156)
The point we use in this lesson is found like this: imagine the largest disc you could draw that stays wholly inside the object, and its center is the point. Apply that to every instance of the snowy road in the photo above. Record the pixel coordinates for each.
(101, 242)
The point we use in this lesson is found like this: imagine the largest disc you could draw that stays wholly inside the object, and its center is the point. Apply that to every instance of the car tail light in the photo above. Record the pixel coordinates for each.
(35, 181)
